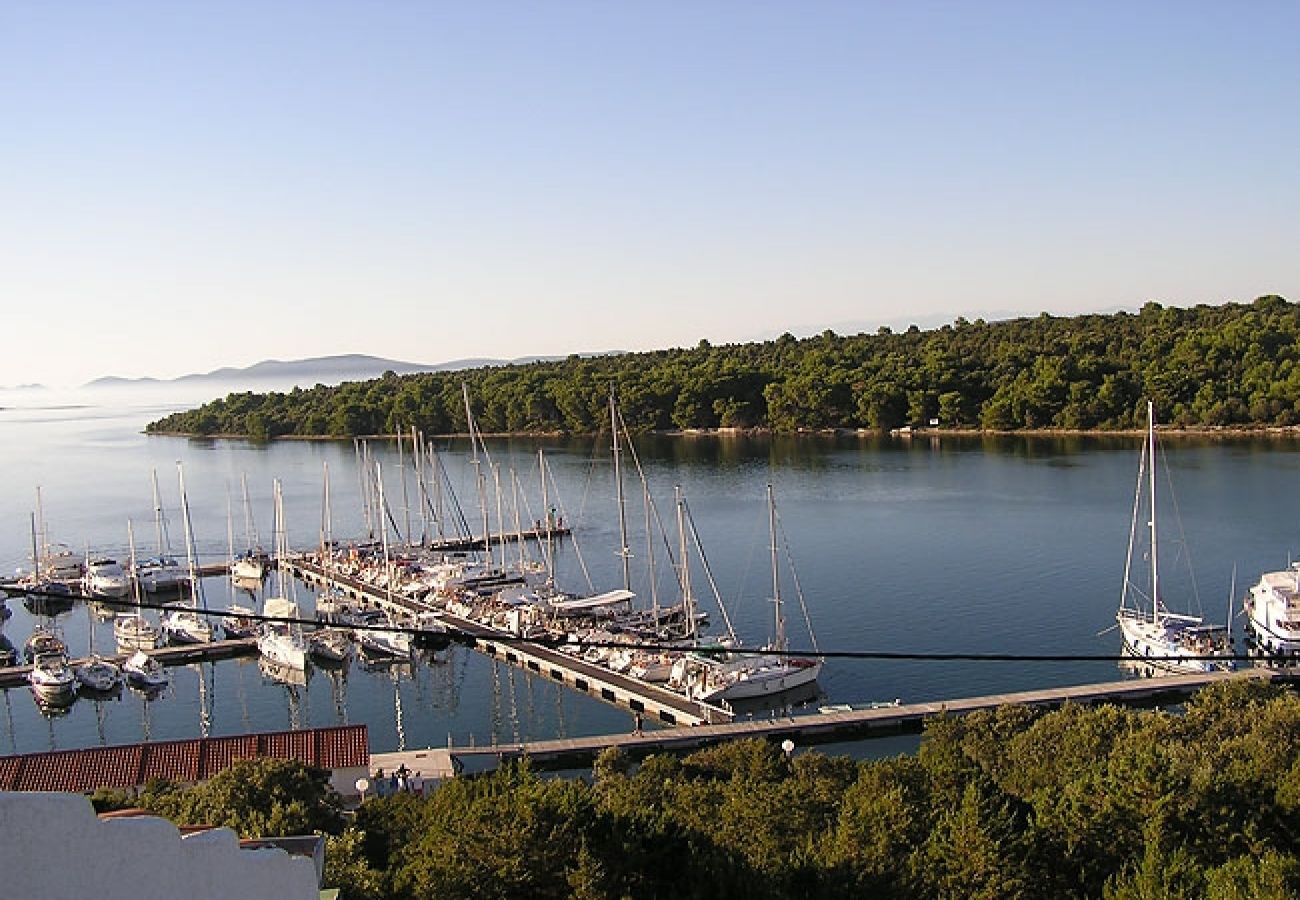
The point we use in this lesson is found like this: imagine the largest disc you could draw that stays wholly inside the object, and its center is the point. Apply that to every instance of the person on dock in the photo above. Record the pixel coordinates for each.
(636, 724)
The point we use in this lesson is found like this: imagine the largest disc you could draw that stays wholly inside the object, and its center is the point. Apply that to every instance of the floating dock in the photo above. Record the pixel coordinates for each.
(651, 700)
(804, 730)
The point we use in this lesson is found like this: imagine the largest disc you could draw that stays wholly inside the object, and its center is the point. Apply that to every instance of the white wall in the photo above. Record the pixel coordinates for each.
(56, 847)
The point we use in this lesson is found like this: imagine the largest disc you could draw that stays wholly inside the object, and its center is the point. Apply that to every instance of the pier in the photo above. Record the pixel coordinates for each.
(652, 700)
(804, 730)
(176, 655)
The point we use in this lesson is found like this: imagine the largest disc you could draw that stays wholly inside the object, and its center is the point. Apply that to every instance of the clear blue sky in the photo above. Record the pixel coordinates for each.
(190, 185)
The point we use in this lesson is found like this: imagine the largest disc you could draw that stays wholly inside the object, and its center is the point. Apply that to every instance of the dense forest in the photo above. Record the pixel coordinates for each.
(1014, 803)
(1234, 364)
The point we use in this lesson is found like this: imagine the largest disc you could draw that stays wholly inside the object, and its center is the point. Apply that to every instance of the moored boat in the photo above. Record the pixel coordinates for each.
(51, 677)
(1272, 611)
(144, 672)
(1152, 633)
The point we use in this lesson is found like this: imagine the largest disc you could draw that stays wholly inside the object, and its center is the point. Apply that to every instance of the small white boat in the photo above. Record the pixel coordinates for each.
(98, 674)
(52, 678)
(383, 641)
(162, 574)
(249, 567)
(184, 625)
(144, 672)
(105, 578)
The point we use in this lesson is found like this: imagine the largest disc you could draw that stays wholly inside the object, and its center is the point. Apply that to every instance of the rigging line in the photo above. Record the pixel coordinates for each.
(708, 570)
(794, 577)
(1182, 533)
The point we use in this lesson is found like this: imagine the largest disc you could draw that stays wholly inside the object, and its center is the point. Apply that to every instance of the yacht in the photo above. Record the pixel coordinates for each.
(1273, 616)
(51, 678)
(105, 578)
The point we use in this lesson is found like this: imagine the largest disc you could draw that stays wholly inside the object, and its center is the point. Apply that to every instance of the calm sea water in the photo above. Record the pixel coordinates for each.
(954, 545)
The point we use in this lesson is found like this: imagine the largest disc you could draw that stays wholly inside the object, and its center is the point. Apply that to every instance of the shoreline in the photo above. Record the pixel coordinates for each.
(905, 433)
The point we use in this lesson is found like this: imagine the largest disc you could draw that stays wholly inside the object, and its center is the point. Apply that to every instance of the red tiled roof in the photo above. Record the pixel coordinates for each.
(131, 765)
(219, 753)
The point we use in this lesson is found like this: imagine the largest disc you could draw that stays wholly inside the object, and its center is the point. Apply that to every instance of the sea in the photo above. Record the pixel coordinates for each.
(922, 544)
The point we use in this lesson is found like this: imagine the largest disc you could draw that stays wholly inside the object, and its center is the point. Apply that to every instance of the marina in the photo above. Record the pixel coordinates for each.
(894, 543)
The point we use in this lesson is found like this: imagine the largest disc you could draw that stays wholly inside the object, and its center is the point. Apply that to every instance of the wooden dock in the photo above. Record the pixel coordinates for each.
(804, 730)
(178, 655)
(652, 700)
(471, 543)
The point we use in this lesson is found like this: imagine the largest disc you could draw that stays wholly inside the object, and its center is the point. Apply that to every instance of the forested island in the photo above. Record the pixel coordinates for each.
(1207, 366)
(1013, 803)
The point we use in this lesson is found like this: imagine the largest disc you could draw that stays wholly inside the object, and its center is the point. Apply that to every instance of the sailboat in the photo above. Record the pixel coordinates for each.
(97, 673)
(163, 572)
(1174, 642)
(281, 643)
(250, 565)
(188, 624)
(238, 622)
(732, 675)
(131, 630)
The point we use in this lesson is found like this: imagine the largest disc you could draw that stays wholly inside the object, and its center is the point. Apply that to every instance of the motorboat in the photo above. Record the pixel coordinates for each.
(98, 674)
(185, 625)
(144, 672)
(51, 677)
(105, 577)
(1273, 617)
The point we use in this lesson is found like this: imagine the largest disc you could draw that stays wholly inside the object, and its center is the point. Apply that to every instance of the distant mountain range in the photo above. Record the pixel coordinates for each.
(309, 372)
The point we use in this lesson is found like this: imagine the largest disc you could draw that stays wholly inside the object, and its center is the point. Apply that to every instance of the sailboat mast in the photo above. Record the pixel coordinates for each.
(776, 573)
(623, 550)
(479, 478)
(684, 573)
(157, 514)
(196, 587)
(1155, 565)
(36, 555)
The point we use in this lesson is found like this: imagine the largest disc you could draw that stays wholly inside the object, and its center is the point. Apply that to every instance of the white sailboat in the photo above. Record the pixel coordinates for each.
(239, 621)
(188, 623)
(249, 565)
(97, 673)
(1152, 633)
(281, 643)
(131, 630)
(163, 572)
(733, 675)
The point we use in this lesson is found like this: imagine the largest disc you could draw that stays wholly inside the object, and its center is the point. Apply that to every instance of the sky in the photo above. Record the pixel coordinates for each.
(185, 186)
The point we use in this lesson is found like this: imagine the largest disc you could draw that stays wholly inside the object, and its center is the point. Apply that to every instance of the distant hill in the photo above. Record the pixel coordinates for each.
(306, 372)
